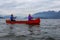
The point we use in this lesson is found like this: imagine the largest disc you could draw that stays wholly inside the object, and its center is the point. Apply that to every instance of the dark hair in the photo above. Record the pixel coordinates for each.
(11, 14)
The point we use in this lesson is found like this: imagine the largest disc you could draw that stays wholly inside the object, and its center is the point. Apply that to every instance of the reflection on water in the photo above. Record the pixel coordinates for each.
(48, 30)
(32, 30)
(11, 32)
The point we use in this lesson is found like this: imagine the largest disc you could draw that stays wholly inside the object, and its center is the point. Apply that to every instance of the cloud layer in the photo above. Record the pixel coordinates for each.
(25, 7)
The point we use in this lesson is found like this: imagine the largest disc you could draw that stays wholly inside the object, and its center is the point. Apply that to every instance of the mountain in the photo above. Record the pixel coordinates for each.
(1, 17)
(8, 16)
(47, 15)
(43, 15)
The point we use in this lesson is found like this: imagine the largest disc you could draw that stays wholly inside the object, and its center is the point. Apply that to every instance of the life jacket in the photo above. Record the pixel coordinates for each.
(29, 17)
(11, 18)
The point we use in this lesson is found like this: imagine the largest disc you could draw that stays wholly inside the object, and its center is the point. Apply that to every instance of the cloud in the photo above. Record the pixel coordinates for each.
(25, 7)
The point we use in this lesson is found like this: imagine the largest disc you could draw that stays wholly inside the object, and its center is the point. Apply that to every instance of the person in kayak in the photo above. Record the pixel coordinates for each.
(12, 18)
(29, 17)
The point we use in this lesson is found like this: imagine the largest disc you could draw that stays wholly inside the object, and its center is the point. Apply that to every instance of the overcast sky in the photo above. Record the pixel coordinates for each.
(25, 7)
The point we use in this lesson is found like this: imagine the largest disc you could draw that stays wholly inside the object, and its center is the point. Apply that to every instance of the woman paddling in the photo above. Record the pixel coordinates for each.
(29, 17)
(12, 18)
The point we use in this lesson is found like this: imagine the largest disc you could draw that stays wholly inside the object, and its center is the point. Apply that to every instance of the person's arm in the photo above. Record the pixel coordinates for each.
(15, 17)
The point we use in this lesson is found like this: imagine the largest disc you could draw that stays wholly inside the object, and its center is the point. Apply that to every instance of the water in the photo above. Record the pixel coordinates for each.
(49, 29)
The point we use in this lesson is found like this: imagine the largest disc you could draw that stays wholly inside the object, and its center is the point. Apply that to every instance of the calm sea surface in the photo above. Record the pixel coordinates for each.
(49, 29)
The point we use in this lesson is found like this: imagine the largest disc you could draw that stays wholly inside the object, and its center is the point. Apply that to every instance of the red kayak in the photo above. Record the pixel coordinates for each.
(32, 22)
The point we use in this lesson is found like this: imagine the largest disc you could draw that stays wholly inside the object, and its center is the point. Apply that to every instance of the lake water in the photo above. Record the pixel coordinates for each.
(49, 29)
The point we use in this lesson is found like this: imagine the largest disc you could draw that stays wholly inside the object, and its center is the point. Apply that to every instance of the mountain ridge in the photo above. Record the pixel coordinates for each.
(47, 15)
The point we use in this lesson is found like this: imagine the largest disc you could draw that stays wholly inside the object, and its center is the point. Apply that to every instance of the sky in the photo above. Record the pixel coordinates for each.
(25, 7)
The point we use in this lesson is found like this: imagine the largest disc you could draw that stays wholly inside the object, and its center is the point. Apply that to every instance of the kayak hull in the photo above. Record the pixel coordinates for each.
(31, 22)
